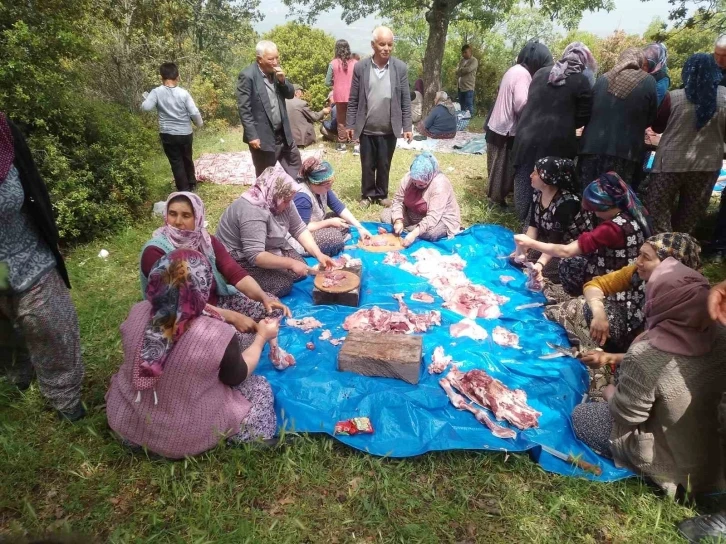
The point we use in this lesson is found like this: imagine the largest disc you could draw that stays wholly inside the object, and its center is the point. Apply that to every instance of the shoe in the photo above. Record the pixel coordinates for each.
(356, 150)
(700, 528)
(364, 203)
(419, 138)
(79, 412)
(385, 202)
(341, 147)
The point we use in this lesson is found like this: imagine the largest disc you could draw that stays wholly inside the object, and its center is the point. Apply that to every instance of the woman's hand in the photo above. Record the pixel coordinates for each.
(410, 238)
(398, 227)
(268, 328)
(300, 268)
(523, 242)
(272, 304)
(326, 262)
(243, 323)
(595, 359)
(717, 303)
(337, 222)
(609, 392)
(599, 327)
(363, 233)
(538, 275)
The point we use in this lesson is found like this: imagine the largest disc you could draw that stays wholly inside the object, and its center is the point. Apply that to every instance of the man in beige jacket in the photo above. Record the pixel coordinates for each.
(466, 74)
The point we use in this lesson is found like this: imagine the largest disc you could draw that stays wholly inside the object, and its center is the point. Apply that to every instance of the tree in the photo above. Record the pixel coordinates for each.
(304, 56)
(707, 15)
(439, 14)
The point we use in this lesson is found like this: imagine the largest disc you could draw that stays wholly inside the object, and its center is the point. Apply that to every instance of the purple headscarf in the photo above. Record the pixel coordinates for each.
(197, 239)
(272, 189)
(575, 60)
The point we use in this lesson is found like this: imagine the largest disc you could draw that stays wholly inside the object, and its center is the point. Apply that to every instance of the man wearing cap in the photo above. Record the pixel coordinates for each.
(302, 118)
(261, 92)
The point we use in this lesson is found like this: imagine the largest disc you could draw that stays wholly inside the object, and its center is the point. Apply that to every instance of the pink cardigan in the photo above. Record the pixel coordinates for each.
(194, 409)
(342, 80)
(440, 202)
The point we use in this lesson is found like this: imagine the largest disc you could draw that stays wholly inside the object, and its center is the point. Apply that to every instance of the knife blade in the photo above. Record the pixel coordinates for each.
(569, 352)
(579, 463)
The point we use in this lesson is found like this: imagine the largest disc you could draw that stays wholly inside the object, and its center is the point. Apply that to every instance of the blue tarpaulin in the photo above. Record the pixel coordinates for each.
(414, 419)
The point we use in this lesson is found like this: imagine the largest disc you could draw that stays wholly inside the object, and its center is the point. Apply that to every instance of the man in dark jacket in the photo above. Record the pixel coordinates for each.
(303, 119)
(379, 110)
(261, 92)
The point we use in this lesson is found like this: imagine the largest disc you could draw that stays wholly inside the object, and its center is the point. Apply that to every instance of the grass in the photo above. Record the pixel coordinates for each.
(78, 479)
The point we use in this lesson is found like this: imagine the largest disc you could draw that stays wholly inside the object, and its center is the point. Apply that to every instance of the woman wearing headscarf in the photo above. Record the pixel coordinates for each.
(501, 126)
(255, 227)
(340, 77)
(186, 380)
(321, 210)
(606, 316)
(34, 284)
(557, 216)
(441, 121)
(424, 203)
(690, 154)
(624, 105)
(559, 102)
(656, 55)
(613, 244)
(659, 420)
(233, 293)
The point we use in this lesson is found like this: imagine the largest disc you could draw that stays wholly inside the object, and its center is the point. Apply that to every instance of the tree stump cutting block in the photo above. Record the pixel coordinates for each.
(388, 355)
(351, 298)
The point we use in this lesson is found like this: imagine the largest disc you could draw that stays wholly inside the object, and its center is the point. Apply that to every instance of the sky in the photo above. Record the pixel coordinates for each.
(632, 16)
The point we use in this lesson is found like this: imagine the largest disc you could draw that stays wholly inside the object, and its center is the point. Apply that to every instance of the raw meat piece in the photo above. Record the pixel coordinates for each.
(469, 328)
(506, 404)
(422, 297)
(460, 404)
(533, 284)
(280, 358)
(310, 346)
(325, 335)
(306, 324)
(475, 301)
(404, 320)
(506, 279)
(344, 261)
(505, 338)
(375, 241)
(381, 230)
(394, 258)
(439, 361)
(337, 341)
(333, 279)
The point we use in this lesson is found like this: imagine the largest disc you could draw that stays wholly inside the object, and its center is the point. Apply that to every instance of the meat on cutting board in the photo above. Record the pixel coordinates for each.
(333, 279)
(306, 324)
(439, 361)
(468, 328)
(422, 297)
(505, 338)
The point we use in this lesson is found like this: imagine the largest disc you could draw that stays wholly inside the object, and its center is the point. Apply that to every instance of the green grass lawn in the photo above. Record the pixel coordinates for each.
(77, 478)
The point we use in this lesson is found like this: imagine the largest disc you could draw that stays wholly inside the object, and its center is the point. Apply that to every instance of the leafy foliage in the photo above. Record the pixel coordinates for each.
(305, 53)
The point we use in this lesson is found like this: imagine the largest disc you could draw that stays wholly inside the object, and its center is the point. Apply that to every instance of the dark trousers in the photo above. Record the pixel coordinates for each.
(178, 150)
(376, 154)
(466, 101)
(719, 233)
(288, 157)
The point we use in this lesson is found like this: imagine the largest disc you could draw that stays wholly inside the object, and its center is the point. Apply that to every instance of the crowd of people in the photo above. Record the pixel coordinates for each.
(620, 273)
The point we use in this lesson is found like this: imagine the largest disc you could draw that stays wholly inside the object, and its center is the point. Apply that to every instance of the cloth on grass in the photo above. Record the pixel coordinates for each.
(413, 419)
(235, 168)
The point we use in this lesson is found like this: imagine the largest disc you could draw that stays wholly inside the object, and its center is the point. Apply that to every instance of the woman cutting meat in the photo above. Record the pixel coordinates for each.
(254, 229)
(613, 244)
(424, 204)
(187, 380)
(556, 215)
(326, 216)
(660, 420)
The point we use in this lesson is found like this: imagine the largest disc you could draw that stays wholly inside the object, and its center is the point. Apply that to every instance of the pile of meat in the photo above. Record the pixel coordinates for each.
(333, 279)
(306, 324)
(404, 320)
(279, 358)
(446, 274)
(486, 392)
(345, 261)
(505, 338)
(395, 257)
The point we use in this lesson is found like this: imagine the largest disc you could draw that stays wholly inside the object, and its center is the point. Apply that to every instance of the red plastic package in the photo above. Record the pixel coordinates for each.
(356, 425)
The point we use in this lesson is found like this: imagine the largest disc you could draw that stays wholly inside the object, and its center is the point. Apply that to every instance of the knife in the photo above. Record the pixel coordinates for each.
(312, 271)
(579, 463)
(568, 352)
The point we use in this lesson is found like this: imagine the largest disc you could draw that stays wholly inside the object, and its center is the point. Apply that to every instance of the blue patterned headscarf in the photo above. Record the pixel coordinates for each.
(610, 191)
(424, 168)
(701, 77)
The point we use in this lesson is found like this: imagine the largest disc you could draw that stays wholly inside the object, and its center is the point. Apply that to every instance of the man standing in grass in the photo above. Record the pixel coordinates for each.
(466, 74)
(261, 92)
(379, 110)
(176, 107)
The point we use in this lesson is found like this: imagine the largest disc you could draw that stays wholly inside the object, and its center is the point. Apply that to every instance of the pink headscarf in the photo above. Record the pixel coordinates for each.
(676, 312)
(197, 239)
(273, 188)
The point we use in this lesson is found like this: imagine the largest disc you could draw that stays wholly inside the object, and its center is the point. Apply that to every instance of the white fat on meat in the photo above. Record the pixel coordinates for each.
(306, 324)
(394, 258)
(439, 361)
(468, 328)
(505, 338)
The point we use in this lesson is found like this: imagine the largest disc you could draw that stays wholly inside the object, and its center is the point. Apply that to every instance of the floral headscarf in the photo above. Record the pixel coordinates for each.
(627, 74)
(315, 171)
(610, 191)
(424, 168)
(178, 291)
(273, 188)
(678, 245)
(7, 147)
(701, 78)
(657, 56)
(575, 60)
(197, 239)
(557, 172)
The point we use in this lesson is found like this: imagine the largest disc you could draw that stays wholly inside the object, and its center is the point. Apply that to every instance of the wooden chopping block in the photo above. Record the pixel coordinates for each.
(389, 355)
(351, 298)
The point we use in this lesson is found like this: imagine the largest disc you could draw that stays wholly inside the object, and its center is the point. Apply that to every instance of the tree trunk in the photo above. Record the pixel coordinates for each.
(438, 20)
